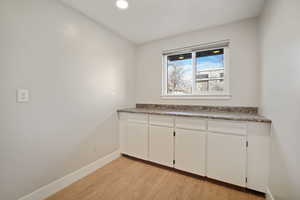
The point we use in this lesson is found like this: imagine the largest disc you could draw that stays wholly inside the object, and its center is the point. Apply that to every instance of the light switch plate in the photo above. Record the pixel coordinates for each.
(22, 95)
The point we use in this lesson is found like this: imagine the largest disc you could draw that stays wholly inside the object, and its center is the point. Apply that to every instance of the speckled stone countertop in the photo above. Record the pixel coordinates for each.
(237, 116)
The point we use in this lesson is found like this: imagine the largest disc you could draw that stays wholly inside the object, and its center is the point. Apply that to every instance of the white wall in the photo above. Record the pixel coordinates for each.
(78, 73)
(244, 64)
(280, 42)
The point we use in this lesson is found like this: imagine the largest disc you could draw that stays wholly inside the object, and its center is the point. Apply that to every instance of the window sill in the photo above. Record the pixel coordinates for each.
(207, 96)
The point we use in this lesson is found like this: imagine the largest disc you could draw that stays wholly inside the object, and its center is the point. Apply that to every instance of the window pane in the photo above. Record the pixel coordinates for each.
(180, 70)
(202, 85)
(210, 70)
(216, 85)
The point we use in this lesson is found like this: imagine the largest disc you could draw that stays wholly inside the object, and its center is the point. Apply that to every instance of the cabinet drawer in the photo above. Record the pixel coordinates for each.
(232, 127)
(123, 116)
(137, 118)
(161, 120)
(190, 123)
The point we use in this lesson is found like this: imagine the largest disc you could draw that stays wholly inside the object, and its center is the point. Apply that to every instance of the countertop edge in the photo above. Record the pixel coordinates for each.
(195, 115)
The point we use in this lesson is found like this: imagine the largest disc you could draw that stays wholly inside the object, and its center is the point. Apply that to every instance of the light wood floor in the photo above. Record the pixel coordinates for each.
(129, 179)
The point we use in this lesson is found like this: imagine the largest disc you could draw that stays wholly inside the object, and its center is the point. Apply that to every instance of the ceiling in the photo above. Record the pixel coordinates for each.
(147, 20)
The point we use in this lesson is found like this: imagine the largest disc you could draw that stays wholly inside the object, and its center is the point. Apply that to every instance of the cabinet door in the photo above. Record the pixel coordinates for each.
(226, 158)
(161, 142)
(190, 151)
(258, 156)
(137, 140)
(123, 136)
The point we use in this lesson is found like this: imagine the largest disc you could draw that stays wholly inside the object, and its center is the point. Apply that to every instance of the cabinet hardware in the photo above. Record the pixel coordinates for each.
(246, 180)
(173, 162)
(174, 133)
(247, 144)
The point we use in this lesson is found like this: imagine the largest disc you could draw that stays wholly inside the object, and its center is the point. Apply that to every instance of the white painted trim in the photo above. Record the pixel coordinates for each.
(198, 47)
(67, 180)
(269, 195)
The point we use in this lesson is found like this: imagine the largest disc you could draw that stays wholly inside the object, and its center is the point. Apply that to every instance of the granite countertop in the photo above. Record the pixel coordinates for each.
(237, 116)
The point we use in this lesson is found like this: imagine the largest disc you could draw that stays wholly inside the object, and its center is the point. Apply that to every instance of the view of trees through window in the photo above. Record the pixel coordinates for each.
(208, 72)
(180, 74)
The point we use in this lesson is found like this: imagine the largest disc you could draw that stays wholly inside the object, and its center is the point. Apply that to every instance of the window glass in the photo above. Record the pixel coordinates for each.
(210, 70)
(179, 74)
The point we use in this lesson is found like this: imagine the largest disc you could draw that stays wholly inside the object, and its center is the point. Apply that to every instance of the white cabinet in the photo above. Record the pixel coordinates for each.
(161, 145)
(258, 156)
(161, 120)
(133, 130)
(123, 136)
(208, 147)
(190, 123)
(123, 124)
(137, 140)
(226, 158)
(229, 127)
(190, 151)
(161, 140)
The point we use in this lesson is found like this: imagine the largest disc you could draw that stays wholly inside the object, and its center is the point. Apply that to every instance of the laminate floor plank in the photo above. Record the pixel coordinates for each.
(130, 179)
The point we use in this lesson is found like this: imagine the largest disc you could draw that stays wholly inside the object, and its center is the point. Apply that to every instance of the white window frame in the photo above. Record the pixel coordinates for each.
(225, 94)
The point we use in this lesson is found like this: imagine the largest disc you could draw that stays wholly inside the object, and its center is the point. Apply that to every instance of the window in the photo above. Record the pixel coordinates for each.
(196, 73)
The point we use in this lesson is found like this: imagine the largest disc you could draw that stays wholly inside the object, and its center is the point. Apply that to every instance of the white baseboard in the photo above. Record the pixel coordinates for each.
(269, 195)
(67, 180)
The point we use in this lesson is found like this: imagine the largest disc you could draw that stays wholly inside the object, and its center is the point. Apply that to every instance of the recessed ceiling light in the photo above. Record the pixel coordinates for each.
(122, 4)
